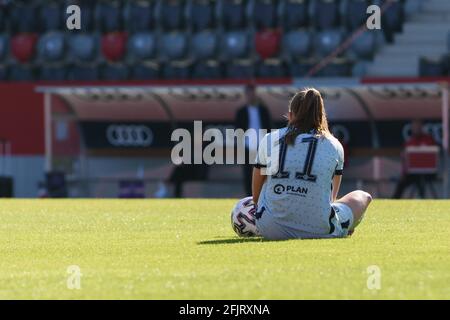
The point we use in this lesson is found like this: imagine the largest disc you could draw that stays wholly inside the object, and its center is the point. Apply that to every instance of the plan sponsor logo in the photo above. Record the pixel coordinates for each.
(293, 190)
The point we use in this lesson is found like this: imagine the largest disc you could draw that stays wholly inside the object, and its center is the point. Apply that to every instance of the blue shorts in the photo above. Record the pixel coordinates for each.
(340, 222)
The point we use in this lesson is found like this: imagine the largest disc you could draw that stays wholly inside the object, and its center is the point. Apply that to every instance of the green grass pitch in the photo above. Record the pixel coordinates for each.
(186, 249)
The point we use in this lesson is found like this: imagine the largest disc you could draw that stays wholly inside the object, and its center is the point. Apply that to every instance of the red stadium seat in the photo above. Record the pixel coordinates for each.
(114, 45)
(267, 43)
(23, 46)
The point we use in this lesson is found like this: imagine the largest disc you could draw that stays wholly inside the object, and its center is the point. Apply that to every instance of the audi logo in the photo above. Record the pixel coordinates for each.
(129, 135)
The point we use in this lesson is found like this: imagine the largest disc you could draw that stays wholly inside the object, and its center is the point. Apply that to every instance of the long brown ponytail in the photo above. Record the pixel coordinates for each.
(307, 114)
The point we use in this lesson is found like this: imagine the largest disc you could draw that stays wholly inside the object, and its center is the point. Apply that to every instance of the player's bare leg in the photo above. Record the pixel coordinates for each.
(358, 201)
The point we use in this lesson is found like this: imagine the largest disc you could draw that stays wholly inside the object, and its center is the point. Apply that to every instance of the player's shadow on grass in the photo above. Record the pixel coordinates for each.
(234, 241)
(245, 240)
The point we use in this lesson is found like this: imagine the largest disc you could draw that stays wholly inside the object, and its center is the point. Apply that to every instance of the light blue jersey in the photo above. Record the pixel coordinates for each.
(297, 193)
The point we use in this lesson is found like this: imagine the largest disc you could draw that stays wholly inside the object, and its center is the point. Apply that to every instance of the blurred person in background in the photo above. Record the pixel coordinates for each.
(418, 138)
(253, 115)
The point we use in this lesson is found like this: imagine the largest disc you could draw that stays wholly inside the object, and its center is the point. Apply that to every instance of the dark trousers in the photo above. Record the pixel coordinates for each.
(419, 180)
(248, 173)
(187, 172)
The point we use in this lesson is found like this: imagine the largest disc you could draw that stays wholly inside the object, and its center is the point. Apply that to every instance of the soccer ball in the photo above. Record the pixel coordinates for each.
(243, 218)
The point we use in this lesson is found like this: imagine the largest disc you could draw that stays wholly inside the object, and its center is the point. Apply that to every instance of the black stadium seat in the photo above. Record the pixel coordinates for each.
(271, 68)
(50, 17)
(21, 72)
(239, 69)
(176, 70)
(300, 67)
(53, 72)
(201, 14)
(392, 19)
(336, 68)
(4, 70)
(210, 69)
(114, 72)
(109, 15)
(294, 14)
(356, 14)
(326, 14)
(431, 67)
(233, 14)
(139, 16)
(171, 14)
(22, 17)
(264, 13)
(84, 72)
(88, 16)
(145, 71)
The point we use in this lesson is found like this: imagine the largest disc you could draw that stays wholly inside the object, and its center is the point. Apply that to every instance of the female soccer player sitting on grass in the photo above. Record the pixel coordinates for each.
(296, 180)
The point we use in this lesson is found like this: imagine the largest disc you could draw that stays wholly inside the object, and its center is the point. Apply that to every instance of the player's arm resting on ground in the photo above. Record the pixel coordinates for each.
(257, 183)
(337, 178)
(336, 185)
(259, 171)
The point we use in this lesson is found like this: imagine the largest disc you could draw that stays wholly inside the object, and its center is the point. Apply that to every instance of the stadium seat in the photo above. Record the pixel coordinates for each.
(235, 44)
(356, 14)
(57, 72)
(431, 67)
(267, 43)
(170, 14)
(204, 44)
(88, 16)
(326, 14)
(109, 15)
(327, 42)
(392, 19)
(142, 46)
(297, 44)
(3, 20)
(210, 69)
(176, 70)
(300, 67)
(264, 13)
(23, 46)
(448, 42)
(4, 46)
(50, 17)
(233, 14)
(294, 14)
(174, 45)
(364, 46)
(239, 69)
(337, 68)
(139, 16)
(446, 60)
(271, 68)
(114, 72)
(51, 47)
(22, 17)
(84, 72)
(4, 70)
(22, 72)
(145, 71)
(201, 14)
(114, 45)
(84, 47)
(359, 68)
